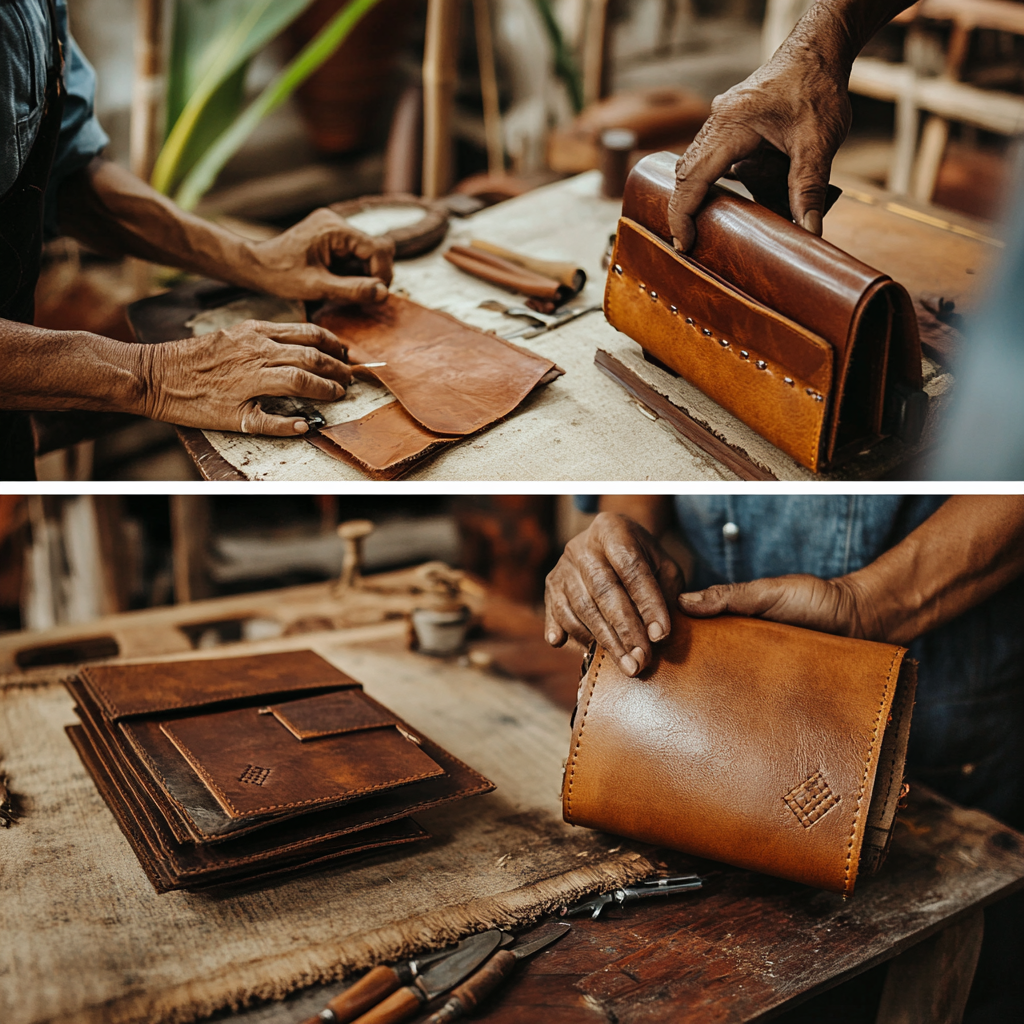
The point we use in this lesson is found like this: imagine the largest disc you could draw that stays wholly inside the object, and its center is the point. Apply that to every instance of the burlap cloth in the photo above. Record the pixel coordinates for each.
(83, 936)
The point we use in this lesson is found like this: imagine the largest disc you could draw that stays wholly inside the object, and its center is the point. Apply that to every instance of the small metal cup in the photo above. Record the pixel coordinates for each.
(441, 631)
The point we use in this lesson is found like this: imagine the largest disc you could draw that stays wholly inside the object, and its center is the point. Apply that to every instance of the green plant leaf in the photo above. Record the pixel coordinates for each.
(212, 44)
(202, 175)
(565, 62)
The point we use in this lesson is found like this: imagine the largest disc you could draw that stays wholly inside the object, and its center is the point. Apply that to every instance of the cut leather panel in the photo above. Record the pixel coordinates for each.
(125, 690)
(451, 378)
(254, 766)
(788, 415)
(739, 729)
(332, 714)
(169, 865)
(385, 443)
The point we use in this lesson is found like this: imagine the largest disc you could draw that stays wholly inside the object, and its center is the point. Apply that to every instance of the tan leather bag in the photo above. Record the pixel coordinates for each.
(768, 747)
(816, 351)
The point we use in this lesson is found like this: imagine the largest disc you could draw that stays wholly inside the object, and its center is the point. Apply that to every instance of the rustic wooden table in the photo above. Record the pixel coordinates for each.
(586, 426)
(747, 947)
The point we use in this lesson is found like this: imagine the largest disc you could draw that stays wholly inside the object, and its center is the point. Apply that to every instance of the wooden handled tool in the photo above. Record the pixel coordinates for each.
(468, 996)
(569, 274)
(369, 990)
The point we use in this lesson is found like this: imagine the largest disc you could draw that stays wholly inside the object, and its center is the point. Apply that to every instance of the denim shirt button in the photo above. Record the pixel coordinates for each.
(731, 532)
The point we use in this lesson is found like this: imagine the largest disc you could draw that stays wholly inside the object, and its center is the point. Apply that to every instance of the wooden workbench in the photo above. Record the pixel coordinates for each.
(745, 948)
(585, 426)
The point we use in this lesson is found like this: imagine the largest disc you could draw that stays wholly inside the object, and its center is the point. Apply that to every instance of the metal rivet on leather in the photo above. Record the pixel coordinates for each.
(723, 343)
(689, 320)
(706, 332)
(254, 775)
(643, 287)
(673, 310)
(818, 398)
(654, 296)
(731, 532)
(788, 380)
(761, 364)
(618, 268)
(811, 799)
(744, 354)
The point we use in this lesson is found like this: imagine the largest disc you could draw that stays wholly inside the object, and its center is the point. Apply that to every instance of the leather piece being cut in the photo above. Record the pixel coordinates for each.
(767, 319)
(451, 378)
(765, 746)
(384, 443)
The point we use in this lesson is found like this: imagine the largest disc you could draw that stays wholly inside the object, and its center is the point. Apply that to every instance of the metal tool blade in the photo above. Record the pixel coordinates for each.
(464, 961)
(539, 938)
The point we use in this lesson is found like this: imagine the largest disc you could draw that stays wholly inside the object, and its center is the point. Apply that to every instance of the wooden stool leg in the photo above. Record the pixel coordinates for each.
(929, 983)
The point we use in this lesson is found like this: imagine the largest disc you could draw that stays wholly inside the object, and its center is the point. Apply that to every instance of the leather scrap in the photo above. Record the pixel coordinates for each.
(449, 379)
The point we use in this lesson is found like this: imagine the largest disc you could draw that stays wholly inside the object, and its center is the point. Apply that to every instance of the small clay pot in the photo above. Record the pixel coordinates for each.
(441, 631)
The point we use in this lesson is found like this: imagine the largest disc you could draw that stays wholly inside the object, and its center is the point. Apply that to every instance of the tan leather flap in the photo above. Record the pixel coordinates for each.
(767, 370)
(128, 690)
(332, 714)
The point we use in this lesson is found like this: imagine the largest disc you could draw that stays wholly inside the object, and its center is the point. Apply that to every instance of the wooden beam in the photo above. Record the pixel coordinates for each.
(146, 130)
(440, 55)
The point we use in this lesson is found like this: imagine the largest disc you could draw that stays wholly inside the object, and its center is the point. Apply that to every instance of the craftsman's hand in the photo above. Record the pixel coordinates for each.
(612, 585)
(214, 380)
(778, 130)
(296, 264)
(830, 606)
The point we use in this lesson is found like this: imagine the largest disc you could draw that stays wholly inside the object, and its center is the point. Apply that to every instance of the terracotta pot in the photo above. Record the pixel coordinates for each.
(344, 101)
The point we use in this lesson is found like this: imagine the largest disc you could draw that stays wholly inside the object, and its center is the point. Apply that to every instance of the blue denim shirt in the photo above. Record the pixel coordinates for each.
(25, 57)
(967, 738)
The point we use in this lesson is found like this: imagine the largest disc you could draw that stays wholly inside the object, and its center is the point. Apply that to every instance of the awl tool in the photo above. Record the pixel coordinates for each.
(638, 891)
(474, 990)
(373, 990)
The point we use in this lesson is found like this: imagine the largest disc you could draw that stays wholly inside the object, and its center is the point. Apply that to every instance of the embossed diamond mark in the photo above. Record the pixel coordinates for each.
(254, 775)
(811, 799)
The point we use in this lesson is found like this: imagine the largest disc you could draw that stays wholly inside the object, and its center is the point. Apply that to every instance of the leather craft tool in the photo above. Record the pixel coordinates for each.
(473, 991)
(406, 1002)
(381, 982)
(630, 893)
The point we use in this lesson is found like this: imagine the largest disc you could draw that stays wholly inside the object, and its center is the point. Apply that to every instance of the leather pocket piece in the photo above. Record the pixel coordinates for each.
(254, 761)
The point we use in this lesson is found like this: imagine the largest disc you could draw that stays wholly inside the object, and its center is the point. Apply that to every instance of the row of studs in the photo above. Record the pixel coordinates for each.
(707, 332)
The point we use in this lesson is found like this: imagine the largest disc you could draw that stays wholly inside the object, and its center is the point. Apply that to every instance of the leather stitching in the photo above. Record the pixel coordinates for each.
(867, 767)
(579, 738)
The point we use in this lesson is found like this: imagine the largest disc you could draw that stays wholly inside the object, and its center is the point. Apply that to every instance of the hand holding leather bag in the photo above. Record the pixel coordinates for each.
(764, 746)
(816, 351)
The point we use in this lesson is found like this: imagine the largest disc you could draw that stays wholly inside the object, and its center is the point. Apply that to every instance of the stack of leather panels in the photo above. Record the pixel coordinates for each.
(227, 770)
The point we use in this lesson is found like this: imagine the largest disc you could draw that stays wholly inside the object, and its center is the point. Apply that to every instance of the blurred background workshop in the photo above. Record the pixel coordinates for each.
(471, 104)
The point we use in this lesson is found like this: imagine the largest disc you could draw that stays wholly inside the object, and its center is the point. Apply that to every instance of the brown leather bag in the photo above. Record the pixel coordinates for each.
(764, 746)
(816, 351)
(231, 769)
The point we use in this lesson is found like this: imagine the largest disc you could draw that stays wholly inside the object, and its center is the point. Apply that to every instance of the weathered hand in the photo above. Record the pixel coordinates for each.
(831, 606)
(611, 585)
(296, 264)
(213, 381)
(779, 130)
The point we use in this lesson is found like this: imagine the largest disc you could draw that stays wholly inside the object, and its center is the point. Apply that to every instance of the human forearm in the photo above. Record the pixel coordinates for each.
(117, 213)
(966, 551)
(114, 212)
(838, 30)
(70, 370)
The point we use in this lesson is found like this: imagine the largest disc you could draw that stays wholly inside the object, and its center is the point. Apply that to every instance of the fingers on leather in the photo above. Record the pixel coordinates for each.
(297, 383)
(255, 421)
(313, 360)
(558, 607)
(645, 593)
(353, 290)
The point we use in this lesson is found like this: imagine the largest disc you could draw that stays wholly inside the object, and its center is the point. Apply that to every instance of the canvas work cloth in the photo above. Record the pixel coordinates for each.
(84, 938)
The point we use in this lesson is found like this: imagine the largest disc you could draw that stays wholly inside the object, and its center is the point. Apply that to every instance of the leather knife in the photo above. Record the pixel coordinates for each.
(408, 1001)
(475, 989)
